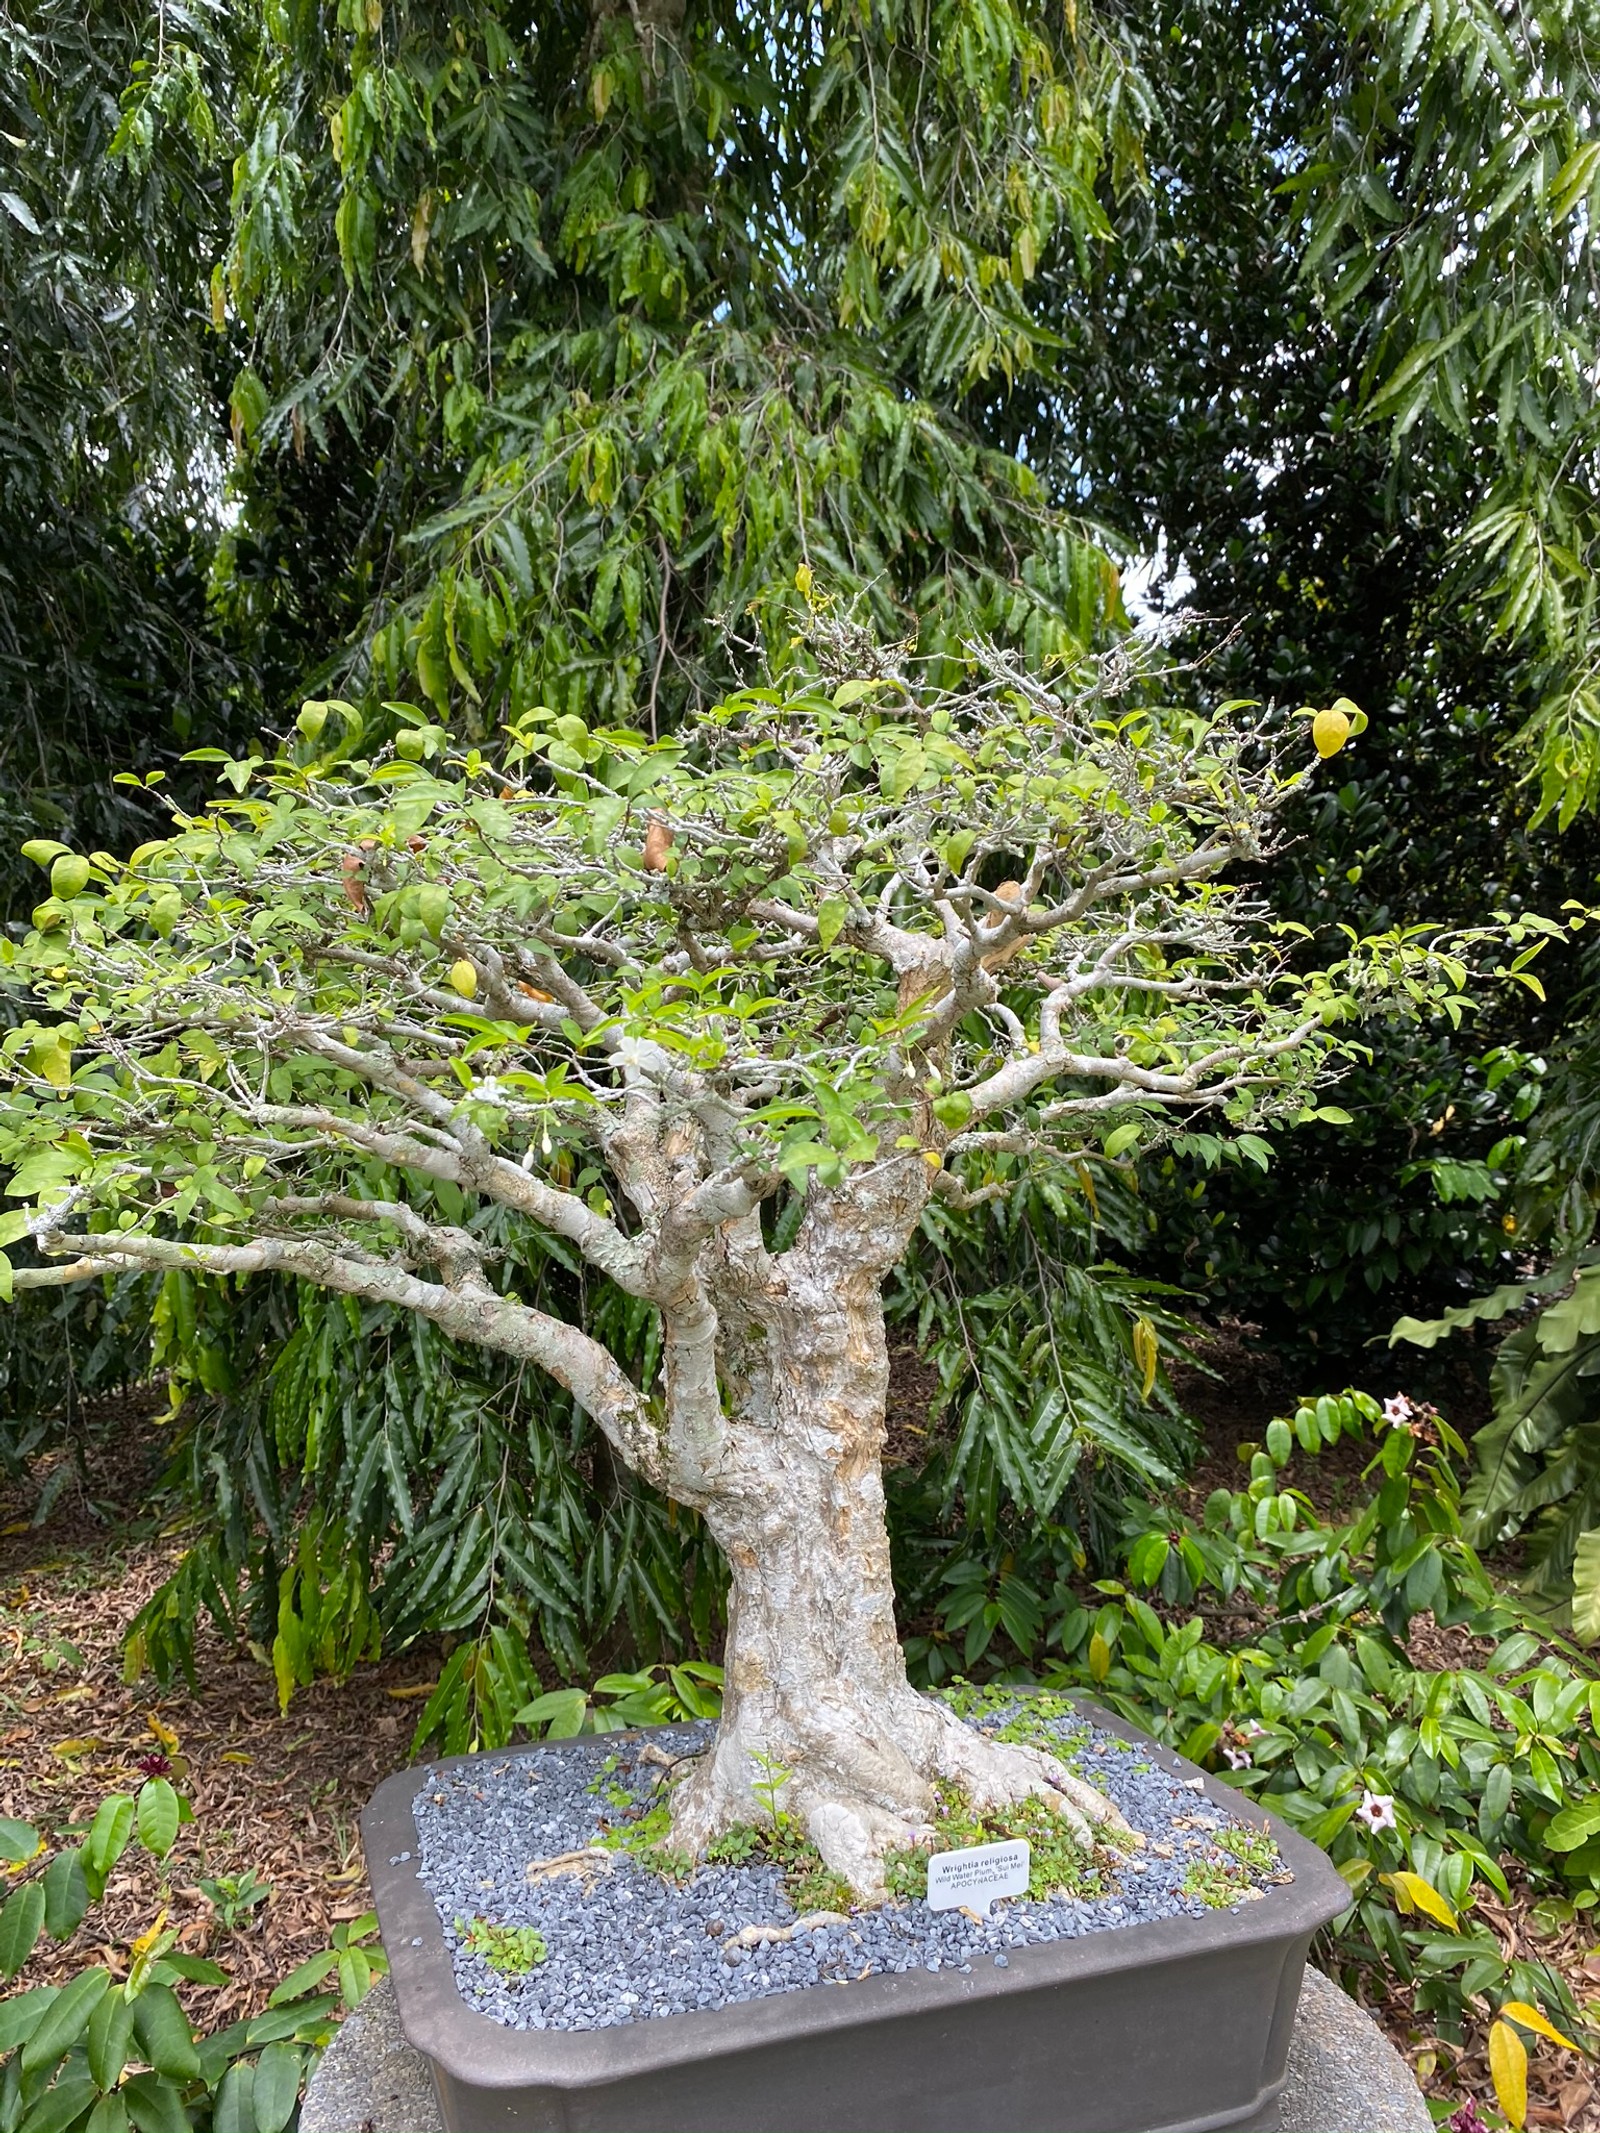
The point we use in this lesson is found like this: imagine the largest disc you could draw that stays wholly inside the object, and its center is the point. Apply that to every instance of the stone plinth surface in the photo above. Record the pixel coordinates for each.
(1344, 2075)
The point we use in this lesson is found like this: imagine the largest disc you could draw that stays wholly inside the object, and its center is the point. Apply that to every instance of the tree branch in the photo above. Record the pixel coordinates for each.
(467, 1309)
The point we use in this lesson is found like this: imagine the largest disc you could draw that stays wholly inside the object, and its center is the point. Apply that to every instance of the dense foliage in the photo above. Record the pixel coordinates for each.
(1272, 1638)
(1538, 1459)
(111, 438)
(114, 2047)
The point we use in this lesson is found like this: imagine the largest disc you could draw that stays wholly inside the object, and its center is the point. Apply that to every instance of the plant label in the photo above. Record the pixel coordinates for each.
(971, 1880)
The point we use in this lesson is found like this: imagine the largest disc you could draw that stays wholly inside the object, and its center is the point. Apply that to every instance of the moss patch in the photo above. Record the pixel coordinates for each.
(1057, 1863)
(808, 1884)
(648, 1838)
(1236, 1861)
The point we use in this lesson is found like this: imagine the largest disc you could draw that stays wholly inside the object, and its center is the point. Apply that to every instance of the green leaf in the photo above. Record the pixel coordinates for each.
(61, 2105)
(66, 1894)
(1586, 1587)
(154, 2105)
(276, 2087)
(195, 1969)
(832, 914)
(69, 876)
(560, 1711)
(108, 1837)
(43, 851)
(355, 1976)
(234, 2111)
(1122, 1139)
(20, 1925)
(1574, 1825)
(110, 2115)
(18, 1840)
(433, 907)
(66, 2021)
(110, 2029)
(21, 2015)
(157, 1816)
(164, 2033)
(306, 1979)
(286, 2021)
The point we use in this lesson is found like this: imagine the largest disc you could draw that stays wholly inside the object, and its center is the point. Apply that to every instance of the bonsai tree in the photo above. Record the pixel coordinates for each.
(719, 1013)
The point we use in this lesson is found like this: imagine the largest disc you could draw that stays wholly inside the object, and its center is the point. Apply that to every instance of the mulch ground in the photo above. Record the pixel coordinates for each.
(279, 1795)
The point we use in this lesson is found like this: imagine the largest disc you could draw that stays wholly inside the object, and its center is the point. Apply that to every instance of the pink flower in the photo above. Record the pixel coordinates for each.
(1376, 1809)
(1466, 2120)
(1397, 1410)
(1236, 1758)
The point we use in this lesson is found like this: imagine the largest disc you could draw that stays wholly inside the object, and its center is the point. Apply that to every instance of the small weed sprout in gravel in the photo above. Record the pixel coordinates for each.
(654, 1933)
(512, 1950)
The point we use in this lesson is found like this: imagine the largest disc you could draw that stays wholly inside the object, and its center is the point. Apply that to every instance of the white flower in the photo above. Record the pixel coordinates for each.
(1236, 1758)
(1397, 1410)
(1377, 1811)
(490, 1091)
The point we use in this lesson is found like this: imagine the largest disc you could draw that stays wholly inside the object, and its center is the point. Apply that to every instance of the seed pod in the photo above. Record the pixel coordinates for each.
(533, 992)
(657, 844)
(464, 977)
(355, 890)
(416, 844)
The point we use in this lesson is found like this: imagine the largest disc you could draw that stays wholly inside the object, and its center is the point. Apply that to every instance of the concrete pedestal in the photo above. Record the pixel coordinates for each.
(1344, 2076)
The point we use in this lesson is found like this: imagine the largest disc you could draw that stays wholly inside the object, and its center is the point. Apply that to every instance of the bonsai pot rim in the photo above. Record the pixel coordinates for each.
(474, 2049)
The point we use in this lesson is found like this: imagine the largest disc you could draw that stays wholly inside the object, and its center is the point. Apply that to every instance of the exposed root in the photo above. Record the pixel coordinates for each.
(761, 1936)
(998, 1774)
(866, 1789)
(586, 1863)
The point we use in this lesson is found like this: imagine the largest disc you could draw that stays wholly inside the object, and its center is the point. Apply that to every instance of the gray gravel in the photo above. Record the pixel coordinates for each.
(627, 1945)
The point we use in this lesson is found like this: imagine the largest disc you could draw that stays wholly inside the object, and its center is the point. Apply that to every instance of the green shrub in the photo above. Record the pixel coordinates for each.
(1427, 1787)
(101, 2054)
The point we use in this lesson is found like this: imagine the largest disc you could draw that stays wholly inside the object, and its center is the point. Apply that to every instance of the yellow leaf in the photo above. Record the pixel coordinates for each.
(68, 1749)
(1099, 1657)
(1508, 2063)
(232, 1755)
(1530, 2018)
(1329, 732)
(147, 1940)
(1415, 1894)
(163, 1733)
(415, 1688)
(1146, 1353)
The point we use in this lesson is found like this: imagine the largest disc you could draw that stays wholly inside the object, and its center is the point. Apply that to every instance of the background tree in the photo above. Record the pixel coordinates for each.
(1223, 405)
(113, 429)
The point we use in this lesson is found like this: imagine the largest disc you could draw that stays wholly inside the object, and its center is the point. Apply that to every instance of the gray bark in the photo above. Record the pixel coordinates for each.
(816, 1699)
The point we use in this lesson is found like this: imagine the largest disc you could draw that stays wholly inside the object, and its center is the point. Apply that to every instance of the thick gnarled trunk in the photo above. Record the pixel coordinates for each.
(817, 1709)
